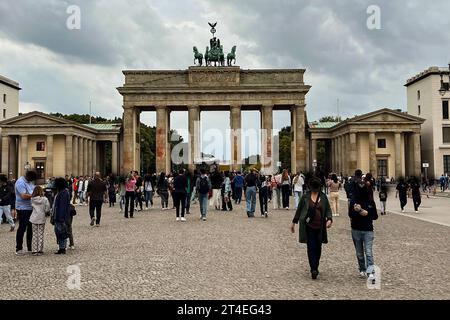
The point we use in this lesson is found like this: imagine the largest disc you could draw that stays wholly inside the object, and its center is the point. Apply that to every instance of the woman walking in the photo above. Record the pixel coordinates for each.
(112, 193)
(383, 197)
(334, 186)
(130, 187)
(314, 216)
(401, 193)
(298, 182)
(416, 196)
(148, 190)
(263, 187)
(41, 210)
(226, 195)
(61, 214)
(179, 194)
(162, 188)
(285, 189)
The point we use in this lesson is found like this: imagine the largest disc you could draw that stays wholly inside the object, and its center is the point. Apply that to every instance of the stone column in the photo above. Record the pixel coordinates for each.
(194, 135)
(69, 154)
(235, 125)
(417, 159)
(341, 155)
(333, 157)
(293, 137)
(94, 156)
(75, 162)
(23, 153)
(114, 158)
(307, 153)
(353, 163)
(347, 155)
(266, 139)
(373, 154)
(299, 131)
(50, 161)
(398, 155)
(80, 157)
(129, 138)
(89, 155)
(13, 154)
(85, 157)
(338, 155)
(5, 155)
(314, 152)
(162, 133)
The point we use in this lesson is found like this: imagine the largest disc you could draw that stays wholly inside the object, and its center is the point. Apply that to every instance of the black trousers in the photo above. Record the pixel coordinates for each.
(95, 207)
(285, 193)
(24, 226)
(417, 201)
(138, 199)
(179, 200)
(238, 194)
(314, 247)
(263, 197)
(403, 200)
(227, 205)
(129, 202)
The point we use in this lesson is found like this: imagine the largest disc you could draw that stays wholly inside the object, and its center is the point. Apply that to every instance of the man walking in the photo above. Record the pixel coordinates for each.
(238, 186)
(203, 186)
(250, 195)
(24, 189)
(96, 193)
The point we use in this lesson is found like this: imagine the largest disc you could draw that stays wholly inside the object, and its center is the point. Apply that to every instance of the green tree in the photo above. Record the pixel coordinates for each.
(330, 119)
(285, 139)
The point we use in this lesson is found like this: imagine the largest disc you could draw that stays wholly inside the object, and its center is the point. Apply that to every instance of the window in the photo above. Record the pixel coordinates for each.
(381, 143)
(40, 170)
(418, 94)
(40, 146)
(418, 110)
(382, 165)
(445, 109)
(4, 98)
(4, 113)
(447, 164)
(446, 134)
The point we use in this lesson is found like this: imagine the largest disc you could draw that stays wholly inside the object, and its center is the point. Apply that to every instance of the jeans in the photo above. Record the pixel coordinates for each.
(7, 211)
(61, 240)
(276, 198)
(314, 247)
(383, 206)
(203, 199)
(250, 197)
(188, 202)
(363, 241)
(148, 197)
(81, 196)
(263, 199)
(24, 226)
(129, 202)
(194, 195)
(285, 189)
(96, 206)
(297, 197)
(122, 201)
(238, 194)
(179, 199)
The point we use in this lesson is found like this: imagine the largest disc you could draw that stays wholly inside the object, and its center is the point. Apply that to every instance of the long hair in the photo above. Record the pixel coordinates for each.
(285, 174)
(37, 192)
(334, 178)
(162, 178)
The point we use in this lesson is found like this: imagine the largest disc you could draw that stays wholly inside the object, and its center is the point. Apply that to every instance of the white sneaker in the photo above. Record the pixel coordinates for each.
(72, 247)
(183, 219)
(20, 253)
(204, 218)
(178, 219)
(362, 274)
(403, 211)
(372, 278)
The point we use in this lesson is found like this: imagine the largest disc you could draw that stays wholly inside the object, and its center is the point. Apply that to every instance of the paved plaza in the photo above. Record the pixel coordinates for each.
(227, 257)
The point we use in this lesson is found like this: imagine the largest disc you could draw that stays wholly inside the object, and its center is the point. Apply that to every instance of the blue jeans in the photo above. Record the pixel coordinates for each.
(250, 197)
(203, 199)
(363, 241)
(7, 211)
(148, 197)
(297, 197)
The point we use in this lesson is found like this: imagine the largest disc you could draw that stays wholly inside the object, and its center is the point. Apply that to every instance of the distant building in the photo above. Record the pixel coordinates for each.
(425, 101)
(9, 98)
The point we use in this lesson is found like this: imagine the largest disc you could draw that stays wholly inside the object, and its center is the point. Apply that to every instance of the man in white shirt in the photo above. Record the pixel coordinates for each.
(298, 183)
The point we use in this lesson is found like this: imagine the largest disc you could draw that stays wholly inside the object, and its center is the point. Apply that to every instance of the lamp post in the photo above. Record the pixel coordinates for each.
(444, 88)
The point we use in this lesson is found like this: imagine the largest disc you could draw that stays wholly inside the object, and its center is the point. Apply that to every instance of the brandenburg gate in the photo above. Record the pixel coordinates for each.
(210, 88)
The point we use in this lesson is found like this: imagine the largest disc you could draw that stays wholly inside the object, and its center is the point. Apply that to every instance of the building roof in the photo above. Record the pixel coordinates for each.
(322, 125)
(9, 82)
(104, 126)
(430, 71)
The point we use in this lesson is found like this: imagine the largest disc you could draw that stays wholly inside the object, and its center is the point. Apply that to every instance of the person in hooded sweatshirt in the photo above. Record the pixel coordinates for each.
(41, 209)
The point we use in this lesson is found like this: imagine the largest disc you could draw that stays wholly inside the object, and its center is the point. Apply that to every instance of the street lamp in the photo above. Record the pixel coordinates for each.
(444, 86)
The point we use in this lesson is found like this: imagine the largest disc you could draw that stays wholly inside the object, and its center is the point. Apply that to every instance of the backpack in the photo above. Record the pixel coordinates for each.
(203, 186)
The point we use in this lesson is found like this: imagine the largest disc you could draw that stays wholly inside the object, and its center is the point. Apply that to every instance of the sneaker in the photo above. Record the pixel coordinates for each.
(92, 222)
(12, 229)
(362, 274)
(204, 218)
(314, 274)
(20, 253)
(72, 247)
(35, 254)
(178, 219)
(266, 214)
(403, 210)
(183, 219)
(372, 278)
(61, 251)
(98, 225)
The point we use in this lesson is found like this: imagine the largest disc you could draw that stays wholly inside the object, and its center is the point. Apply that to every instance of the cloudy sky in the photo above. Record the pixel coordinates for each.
(61, 70)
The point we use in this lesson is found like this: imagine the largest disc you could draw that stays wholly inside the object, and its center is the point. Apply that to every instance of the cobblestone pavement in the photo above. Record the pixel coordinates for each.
(227, 257)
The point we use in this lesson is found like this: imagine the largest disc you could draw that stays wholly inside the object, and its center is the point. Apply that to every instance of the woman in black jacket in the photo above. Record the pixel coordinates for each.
(61, 214)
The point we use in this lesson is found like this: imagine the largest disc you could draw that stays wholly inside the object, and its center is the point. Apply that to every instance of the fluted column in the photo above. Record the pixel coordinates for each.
(23, 153)
(293, 137)
(372, 154)
(114, 158)
(69, 154)
(50, 161)
(398, 155)
(266, 138)
(5, 155)
(236, 127)
(13, 154)
(353, 163)
(80, 157)
(347, 155)
(194, 135)
(75, 163)
(342, 155)
(162, 134)
(300, 138)
(89, 155)
(417, 156)
(85, 157)
(94, 156)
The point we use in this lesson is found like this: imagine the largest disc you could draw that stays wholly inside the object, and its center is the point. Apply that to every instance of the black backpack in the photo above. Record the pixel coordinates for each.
(203, 186)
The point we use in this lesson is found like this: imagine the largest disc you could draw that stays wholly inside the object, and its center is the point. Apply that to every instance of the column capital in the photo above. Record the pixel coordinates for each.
(161, 107)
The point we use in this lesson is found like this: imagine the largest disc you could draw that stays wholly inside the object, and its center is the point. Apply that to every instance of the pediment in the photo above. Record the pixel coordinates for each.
(386, 116)
(35, 118)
